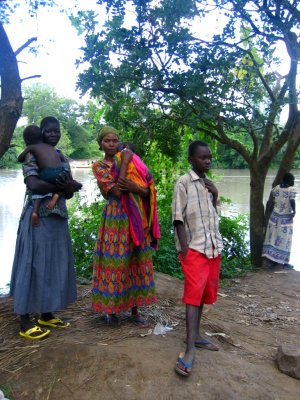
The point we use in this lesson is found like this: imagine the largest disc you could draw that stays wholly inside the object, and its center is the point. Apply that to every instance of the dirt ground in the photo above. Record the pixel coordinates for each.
(91, 361)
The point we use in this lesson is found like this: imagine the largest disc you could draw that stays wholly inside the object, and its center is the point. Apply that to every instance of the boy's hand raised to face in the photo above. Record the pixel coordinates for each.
(210, 187)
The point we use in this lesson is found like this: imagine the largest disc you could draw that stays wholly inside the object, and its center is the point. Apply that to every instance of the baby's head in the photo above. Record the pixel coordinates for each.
(32, 134)
(126, 145)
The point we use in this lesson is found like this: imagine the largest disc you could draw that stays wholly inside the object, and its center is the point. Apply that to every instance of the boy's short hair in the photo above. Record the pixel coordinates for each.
(32, 134)
(193, 146)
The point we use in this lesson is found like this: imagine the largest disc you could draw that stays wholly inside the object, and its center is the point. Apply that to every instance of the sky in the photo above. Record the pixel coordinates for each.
(59, 45)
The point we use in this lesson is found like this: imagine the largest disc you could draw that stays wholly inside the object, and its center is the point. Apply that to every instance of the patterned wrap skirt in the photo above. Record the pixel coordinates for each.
(43, 276)
(122, 273)
(278, 239)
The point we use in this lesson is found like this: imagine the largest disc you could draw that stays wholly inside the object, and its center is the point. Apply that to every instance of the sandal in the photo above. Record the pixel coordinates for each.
(54, 323)
(183, 368)
(141, 323)
(112, 319)
(35, 333)
(206, 344)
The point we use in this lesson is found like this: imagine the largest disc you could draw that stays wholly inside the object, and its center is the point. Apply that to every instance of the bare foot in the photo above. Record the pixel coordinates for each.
(51, 205)
(34, 219)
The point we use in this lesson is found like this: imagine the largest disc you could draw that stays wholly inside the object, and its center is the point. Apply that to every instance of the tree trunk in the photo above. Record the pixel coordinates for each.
(288, 157)
(257, 222)
(11, 101)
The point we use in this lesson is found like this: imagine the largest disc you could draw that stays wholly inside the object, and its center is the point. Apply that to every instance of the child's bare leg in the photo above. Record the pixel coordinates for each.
(198, 336)
(35, 212)
(53, 201)
(191, 314)
(200, 341)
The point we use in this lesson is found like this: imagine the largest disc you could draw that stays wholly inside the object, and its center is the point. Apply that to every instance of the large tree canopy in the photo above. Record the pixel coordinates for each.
(165, 66)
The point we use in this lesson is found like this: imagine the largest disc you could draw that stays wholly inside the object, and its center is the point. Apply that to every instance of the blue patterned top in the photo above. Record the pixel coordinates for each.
(282, 197)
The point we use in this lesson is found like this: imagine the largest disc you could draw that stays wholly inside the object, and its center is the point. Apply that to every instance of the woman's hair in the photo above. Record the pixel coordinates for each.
(106, 130)
(288, 179)
(32, 134)
(48, 120)
(193, 146)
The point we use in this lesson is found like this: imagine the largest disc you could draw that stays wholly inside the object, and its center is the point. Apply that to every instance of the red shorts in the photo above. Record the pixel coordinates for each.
(201, 278)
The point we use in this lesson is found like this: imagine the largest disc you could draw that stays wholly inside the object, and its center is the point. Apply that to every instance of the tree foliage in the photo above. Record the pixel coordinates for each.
(159, 71)
(78, 121)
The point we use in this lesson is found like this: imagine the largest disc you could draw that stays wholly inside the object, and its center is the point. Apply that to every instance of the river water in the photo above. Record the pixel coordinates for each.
(232, 184)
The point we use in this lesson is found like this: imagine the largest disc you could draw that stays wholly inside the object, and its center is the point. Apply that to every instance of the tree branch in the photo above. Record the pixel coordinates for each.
(26, 44)
(30, 77)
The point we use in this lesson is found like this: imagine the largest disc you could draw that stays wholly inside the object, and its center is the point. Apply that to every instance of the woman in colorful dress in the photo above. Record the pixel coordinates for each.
(278, 239)
(122, 271)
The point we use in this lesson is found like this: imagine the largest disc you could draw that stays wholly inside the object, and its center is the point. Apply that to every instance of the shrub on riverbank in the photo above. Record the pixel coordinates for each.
(84, 224)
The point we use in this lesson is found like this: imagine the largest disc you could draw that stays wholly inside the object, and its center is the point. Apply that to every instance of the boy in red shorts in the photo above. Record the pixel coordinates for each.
(199, 244)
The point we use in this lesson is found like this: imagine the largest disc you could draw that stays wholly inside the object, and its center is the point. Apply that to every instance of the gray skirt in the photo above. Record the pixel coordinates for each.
(43, 275)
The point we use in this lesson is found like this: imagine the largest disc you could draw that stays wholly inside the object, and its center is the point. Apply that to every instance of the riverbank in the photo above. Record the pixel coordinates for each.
(232, 184)
(91, 360)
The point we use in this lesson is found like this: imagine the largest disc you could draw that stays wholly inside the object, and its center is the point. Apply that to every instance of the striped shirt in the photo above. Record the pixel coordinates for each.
(192, 205)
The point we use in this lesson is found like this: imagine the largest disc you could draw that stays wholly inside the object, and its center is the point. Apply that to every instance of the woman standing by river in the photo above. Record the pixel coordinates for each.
(278, 239)
(43, 276)
(123, 272)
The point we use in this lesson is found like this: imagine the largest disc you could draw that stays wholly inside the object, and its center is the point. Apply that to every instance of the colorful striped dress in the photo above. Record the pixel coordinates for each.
(122, 272)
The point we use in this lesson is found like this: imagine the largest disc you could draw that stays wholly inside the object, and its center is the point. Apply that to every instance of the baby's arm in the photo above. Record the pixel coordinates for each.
(126, 156)
(22, 156)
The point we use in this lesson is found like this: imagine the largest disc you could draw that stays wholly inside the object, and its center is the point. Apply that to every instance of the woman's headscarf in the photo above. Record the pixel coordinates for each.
(106, 130)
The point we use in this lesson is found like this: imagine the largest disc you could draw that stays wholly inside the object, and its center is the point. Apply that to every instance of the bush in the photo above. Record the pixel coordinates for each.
(236, 252)
(84, 225)
(166, 258)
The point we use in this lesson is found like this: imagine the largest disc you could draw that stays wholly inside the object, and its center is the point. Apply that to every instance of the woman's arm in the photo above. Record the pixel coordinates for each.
(114, 192)
(38, 186)
(126, 185)
(293, 206)
(66, 177)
